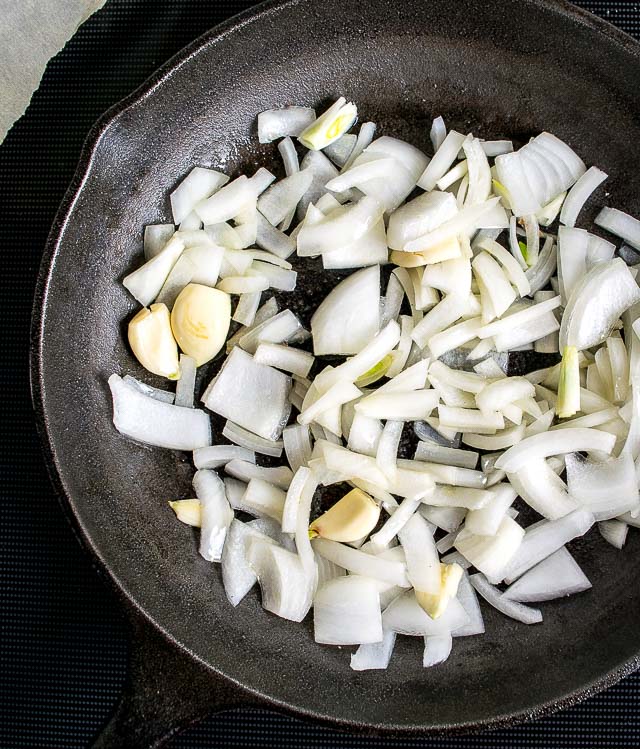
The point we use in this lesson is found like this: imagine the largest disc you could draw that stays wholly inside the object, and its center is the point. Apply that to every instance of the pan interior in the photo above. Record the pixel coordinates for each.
(508, 69)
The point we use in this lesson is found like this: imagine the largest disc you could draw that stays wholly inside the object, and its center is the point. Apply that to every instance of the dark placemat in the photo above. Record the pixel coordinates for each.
(64, 642)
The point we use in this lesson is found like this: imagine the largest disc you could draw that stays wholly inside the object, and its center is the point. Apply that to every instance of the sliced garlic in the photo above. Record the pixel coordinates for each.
(436, 605)
(187, 511)
(152, 341)
(351, 518)
(330, 126)
(200, 321)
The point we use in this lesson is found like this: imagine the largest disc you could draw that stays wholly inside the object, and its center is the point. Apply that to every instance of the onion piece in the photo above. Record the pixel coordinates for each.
(359, 563)
(374, 655)
(364, 435)
(354, 302)
(423, 564)
(156, 237)
(279, 476)
(145, 283)
(162, 395)
(511, 266)
(437, 133)
(283, 327)
(219, 455)
(544, 539)
(453, 175)
(196, 186)
(437, 648)
(346, 611)
(153, 422)
(470, 420)
(440, 163)
(597, 302)
(447, 518)
(454, 337)
(288, 121)
(405, 616)
(542, 489)
(243, 437)
(614, 532)
(606, 488)
(556, 576)
(491, 554)
(579, 194)
(264, 498)
(555, 443)
(469, 601)
(496, 395)
(512, 609)
(285, 586)
(297, 445)
(340, 150)
(250, 394)
(486, 520)
(237, 575)
(247, 307)
(270, 238)
(339, 228)
(621, 224)
(278, 201)
(215, 514)
(479, 171)
(407, 406)
(429, 451)
(518, 319)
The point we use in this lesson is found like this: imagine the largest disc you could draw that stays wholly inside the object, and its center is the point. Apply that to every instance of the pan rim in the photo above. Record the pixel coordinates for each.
(53, 244)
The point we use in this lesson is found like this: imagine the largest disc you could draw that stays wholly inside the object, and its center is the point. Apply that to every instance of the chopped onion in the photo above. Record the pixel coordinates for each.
(606, 488)
(215, 513)
(556, 576)
(237, 575)
(440, 163)
(432, 452)
(621, 224)
(374, 655)
(407, 406)
(359, 563)
(491, 554)
(597, 302)
(354, 302)
(486, 520)
(162, 395)
(285, 586)
(540, 274)
(288, 121)
(544, 538)
(153, 422)
(614, 532)
(542, 489)
(243, 437)
(438, 133)
(346, 611)
(270, 238)
(196, 186)
(579, 194)
(469, 601)
(512, 609)
(264, 498)
(406, 617)
(281, 198)
(219, 455)
(437, 649)
(156, 237)
(227, 202)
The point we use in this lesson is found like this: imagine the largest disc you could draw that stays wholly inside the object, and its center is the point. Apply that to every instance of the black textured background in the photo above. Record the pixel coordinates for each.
(63, 640)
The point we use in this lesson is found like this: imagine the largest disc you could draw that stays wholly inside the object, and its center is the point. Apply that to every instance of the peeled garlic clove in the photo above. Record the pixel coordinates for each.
(152, 341)
(351, 518)
(187, 511)
(330, 126)
(200, 321)
(436, 605)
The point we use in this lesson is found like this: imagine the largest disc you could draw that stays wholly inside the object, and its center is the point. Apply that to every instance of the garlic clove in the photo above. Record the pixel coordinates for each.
(200, 321)
(436, 605)
(152, 341)
(187, 511)
(350, 519)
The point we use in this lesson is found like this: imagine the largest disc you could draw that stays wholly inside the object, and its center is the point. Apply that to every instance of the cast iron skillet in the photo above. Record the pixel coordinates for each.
(509, 68)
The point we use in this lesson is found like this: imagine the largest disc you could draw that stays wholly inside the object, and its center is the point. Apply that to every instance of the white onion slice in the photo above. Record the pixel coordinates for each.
(510, 264)
(243, 437)
(597, 302)
(162, 395)
(354, 302)
(555, 443)
(281, 198)
(479, 171)
(546, 537)
(219, 455)
(432, 452)
(579, 194)
(146, 282)
(215, 513)
(556, 576)
(156, 237)
(437, 648)
(621, 224)
(264, 498)
(196, 186)
(454, 337)
(440, 163)
(250, 394)
(423, 564)
(246, 470)
(227, 202)
(272, 239)
(283, 327)
(359, 563)
(374, 655)
(614, 532)
(486, 520)
(491, 554)
(542, 489)
(420, 216)
(408, 406)
(297, 445)
(288, 121)
(405, 616)
(512, 609)
(607, 488)
(187, 382)
(437, 133)
(237, 575)
(153, 422)
(346, 611)
(284, 583)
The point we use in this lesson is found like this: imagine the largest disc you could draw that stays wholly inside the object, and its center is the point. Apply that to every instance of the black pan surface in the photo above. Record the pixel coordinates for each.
(505, 68)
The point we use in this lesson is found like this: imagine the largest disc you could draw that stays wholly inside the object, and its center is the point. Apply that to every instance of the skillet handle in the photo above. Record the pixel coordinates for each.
(165, 691)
